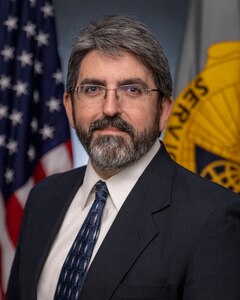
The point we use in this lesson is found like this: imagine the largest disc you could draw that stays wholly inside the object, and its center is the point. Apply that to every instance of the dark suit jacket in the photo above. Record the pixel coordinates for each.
(177, 236)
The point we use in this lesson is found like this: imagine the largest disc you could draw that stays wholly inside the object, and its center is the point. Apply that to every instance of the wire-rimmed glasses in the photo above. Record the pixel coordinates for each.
(99, 92)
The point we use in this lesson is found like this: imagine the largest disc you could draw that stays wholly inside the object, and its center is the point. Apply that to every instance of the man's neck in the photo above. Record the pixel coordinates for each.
(105, 174)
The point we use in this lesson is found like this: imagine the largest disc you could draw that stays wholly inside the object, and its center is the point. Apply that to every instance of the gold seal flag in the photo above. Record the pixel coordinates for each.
(203, 132)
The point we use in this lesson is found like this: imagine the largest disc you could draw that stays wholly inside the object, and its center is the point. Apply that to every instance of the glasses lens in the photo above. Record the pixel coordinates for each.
(131, 91)
(88, 91)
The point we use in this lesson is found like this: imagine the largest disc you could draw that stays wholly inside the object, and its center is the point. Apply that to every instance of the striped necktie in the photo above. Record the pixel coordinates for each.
(75, 267)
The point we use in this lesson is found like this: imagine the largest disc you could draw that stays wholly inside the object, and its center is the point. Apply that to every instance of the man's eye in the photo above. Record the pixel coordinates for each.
(132, 90)
(91, 89)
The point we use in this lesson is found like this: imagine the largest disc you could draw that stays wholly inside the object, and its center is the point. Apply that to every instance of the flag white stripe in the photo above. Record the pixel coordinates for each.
(56, 160)
(23, 191)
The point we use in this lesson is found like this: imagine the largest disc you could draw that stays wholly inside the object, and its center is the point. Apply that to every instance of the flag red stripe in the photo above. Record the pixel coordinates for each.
(14, 213)
(69, 149)
(39, 173)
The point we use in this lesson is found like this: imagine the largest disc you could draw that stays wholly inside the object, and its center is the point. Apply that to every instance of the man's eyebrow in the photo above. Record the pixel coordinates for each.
(93, 81)
(132, 81)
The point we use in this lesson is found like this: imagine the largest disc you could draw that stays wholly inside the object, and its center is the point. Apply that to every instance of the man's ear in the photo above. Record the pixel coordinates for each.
(166, 108)
(67, 101)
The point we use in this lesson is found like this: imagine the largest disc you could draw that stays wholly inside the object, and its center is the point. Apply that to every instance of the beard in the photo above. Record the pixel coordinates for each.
(113, 152)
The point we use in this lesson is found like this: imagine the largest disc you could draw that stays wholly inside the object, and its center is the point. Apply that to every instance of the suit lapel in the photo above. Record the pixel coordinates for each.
(132, 230)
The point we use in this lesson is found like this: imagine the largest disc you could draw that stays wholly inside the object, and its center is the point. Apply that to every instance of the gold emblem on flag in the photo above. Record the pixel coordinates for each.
(203, 132)
(224, 172)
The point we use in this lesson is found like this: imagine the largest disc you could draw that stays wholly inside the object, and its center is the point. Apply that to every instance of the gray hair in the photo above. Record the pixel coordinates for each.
(112, 34)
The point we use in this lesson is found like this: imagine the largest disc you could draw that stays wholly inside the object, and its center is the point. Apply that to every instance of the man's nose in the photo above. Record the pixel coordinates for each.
(110, 103)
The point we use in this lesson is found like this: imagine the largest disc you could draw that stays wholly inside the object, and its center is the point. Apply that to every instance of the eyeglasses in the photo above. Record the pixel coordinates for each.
(99, 92)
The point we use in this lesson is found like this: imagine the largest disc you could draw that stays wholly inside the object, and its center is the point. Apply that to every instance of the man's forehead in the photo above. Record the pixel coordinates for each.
(125, 66)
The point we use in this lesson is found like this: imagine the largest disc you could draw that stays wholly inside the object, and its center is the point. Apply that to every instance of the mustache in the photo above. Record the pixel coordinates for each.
(115, 122)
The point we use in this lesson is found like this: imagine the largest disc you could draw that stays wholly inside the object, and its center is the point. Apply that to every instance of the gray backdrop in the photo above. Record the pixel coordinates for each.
(165, 18)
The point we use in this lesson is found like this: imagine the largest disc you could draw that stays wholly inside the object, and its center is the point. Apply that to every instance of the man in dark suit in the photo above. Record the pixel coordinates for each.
(163, 232)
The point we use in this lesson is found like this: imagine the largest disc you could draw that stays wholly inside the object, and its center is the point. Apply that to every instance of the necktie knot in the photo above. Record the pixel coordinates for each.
(101, 191)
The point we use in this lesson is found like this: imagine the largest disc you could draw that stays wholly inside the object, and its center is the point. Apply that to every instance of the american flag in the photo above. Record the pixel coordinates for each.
(34, 133)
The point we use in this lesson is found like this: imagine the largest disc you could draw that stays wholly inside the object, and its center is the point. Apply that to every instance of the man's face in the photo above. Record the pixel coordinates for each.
(115, 131)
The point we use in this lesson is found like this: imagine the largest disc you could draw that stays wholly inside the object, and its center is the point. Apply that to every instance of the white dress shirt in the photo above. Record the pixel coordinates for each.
(119, 186)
